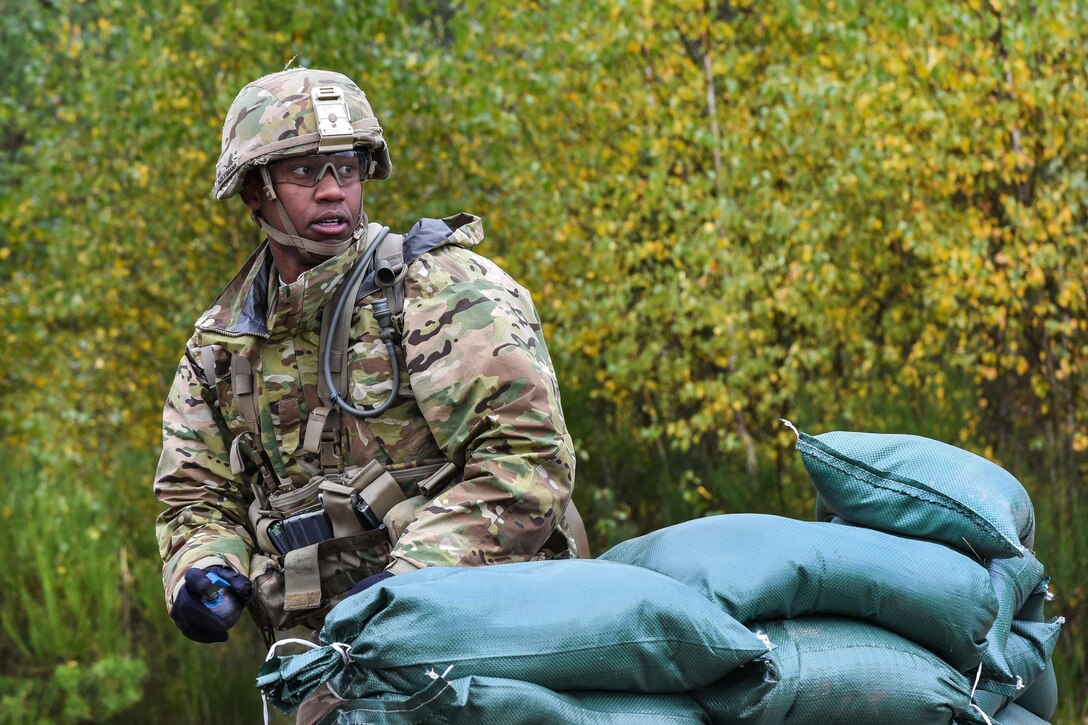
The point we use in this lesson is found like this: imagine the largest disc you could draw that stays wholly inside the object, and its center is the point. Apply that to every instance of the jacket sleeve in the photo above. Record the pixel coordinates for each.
(206, 512)
(482, 377)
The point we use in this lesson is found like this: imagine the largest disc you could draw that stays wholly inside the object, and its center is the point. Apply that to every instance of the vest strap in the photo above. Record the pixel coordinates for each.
(382, 494)
(302, 579)
(315, 428)
(242, 383)
(577, 529)
(207, 361)
(390, 277)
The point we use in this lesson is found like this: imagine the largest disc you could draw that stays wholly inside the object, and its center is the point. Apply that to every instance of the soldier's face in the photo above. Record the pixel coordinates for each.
(325, 212)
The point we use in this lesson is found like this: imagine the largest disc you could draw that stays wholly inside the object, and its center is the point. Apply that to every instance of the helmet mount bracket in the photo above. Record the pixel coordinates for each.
(333, 120)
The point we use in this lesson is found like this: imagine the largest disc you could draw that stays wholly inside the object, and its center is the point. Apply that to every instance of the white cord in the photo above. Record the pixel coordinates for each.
(978, 676)
(343, 649)
(434, 675)
(983, 713)
(290, 640)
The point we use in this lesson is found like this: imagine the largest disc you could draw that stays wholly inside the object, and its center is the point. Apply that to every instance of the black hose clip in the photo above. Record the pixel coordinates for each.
(384, 318)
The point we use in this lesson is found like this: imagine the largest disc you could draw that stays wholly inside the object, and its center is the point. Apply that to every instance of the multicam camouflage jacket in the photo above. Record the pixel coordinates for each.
(477, 387)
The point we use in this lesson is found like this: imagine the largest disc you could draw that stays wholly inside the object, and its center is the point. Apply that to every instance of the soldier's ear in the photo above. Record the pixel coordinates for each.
(251, 191)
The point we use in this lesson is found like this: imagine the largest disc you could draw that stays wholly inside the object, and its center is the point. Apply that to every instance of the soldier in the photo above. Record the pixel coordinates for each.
(355, 404)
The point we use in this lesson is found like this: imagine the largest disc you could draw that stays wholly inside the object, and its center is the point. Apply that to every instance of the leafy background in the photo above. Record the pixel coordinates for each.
(852, 215)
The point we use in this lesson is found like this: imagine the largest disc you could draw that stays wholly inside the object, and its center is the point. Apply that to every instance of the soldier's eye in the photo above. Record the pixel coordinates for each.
(349, 169)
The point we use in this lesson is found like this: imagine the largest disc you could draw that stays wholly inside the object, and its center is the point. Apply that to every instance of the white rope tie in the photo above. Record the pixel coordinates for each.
(978, 676)
(792, 427)
(435, 676)
(983, 713)
(343, 649)
(290, 640)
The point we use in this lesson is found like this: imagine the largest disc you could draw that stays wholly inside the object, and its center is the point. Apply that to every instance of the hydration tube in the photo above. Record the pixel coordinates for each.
(380, 308)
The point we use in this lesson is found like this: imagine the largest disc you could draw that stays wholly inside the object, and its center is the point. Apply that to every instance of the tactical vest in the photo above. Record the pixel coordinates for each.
(316, 541)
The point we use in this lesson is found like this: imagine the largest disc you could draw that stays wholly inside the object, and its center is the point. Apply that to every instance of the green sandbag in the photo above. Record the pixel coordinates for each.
(767, 567)
(565, 625)
(1029, 648)
(920, 487)
(1032, 611)
(474, 700)
(836, 670)
(990, 702)
(1013, 581)
(754, 693)
(1013, 714)
(1028, 654)
(1041, 697)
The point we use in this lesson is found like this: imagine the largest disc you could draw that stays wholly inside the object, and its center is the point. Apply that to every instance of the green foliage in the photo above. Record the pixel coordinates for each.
(84, 634)
(848, 214)
(75, 693)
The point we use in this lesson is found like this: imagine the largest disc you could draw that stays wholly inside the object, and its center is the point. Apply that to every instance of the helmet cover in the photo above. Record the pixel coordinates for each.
(273, 118)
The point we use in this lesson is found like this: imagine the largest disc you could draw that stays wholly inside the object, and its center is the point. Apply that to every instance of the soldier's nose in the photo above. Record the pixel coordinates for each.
(328, 187)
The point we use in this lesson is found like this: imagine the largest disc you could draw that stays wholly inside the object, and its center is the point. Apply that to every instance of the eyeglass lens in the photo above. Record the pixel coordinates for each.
(346, 167)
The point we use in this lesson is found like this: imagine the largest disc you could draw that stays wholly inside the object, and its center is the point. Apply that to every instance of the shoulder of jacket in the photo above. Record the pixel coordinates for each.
(460, 230)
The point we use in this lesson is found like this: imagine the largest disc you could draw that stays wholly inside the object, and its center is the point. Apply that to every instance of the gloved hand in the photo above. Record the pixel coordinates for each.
(210, 603)
(365, 584)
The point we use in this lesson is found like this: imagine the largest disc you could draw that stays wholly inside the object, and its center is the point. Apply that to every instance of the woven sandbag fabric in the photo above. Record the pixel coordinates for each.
(565, 625)
(1032, 610)
(1028, 653)
(990, 702)
(1031, 646)
(1041, 696)
(1013, 581)
(767, 567)
(920, 487)
(759, 693)
(1013, 714)
(475, 700)
(838, 670)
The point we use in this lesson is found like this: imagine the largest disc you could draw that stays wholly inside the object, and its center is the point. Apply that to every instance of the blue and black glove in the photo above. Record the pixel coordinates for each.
(365, 584)
(210, 603)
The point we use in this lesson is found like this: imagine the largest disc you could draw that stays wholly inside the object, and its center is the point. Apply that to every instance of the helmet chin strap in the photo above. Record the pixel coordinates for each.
(312, 250)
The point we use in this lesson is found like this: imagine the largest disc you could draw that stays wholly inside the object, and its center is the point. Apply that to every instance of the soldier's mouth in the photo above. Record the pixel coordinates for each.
(331, 225)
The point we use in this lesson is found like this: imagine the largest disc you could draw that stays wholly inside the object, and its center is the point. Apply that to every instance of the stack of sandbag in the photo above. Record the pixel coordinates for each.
(917, 600)
(914, 486)
(866, 626)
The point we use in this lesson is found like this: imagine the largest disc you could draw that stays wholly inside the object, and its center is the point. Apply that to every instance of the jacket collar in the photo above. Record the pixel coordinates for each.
(256, 303)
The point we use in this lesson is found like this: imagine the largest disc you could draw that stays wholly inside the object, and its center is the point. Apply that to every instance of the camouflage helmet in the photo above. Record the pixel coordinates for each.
(274, 117)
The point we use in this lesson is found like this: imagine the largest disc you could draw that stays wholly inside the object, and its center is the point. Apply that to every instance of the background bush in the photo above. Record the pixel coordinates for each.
(848, 214)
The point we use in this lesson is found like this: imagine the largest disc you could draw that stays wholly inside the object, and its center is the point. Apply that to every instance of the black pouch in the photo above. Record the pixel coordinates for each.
(341, 564)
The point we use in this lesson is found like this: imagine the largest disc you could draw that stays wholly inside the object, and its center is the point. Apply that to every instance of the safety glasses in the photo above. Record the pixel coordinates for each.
(346, 166)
